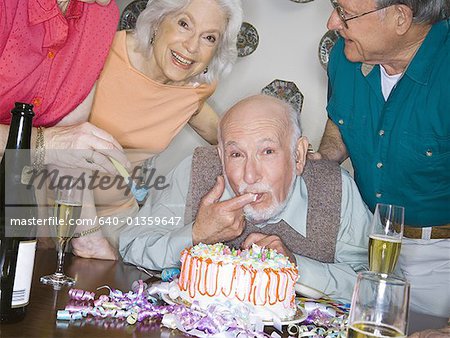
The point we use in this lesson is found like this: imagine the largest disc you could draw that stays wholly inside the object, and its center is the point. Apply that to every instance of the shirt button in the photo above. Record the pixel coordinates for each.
(379, 165)
(381, 132)
(341, 122)
(429, 153)
(37, 101)
(51, 54)
(378, 195)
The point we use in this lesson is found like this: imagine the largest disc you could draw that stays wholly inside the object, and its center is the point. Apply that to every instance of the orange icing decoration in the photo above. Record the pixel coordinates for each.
(204, 278)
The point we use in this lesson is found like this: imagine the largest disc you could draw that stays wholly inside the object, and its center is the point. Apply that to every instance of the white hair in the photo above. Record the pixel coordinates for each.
(222, 62)
(424, 11)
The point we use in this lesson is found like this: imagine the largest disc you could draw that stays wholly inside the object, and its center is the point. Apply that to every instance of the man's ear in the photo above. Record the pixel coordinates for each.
(219, 150)
(300, 154)
(403, 17)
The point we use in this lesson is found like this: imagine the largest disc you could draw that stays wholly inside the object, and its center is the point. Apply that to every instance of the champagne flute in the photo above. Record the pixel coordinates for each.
(386, 237)
(66, 211)
(379, 307)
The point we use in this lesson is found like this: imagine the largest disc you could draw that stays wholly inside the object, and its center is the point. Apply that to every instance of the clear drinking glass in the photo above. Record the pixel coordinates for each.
(385, 239)
(66, 212)
(379, 307)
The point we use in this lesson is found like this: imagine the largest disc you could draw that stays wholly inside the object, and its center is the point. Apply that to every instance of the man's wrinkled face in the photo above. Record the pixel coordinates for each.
(257, 157)
(369, 38)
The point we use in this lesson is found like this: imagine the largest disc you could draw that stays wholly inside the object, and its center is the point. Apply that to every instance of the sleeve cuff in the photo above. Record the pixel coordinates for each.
(309, 272)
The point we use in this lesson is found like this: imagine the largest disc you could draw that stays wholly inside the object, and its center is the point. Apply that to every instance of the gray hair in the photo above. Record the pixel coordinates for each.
(424, 11)
(294, 122)
(226, 54)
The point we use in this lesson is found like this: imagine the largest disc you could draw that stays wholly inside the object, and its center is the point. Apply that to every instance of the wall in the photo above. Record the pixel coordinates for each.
(289, 35)
(288, 49)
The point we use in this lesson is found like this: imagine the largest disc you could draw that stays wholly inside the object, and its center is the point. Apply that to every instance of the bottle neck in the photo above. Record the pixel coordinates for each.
(20, 132)
(17, 200)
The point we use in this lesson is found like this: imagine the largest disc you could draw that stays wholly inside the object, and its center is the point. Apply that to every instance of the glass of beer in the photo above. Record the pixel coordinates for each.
(385, 239)
(379, 306)
(65, 213)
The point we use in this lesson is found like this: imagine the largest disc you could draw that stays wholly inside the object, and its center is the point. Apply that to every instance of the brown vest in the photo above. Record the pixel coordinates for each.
(324, 185)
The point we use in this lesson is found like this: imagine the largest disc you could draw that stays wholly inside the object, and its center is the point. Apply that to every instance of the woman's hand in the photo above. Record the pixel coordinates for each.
(94, 247)
(100, 2)
(83, 146)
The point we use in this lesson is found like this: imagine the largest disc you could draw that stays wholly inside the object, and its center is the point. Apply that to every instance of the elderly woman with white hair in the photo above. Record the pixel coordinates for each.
(157, 77)
(156, 80)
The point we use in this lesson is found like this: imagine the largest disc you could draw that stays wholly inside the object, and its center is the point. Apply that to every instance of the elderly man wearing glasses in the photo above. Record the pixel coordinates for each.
(389, 111)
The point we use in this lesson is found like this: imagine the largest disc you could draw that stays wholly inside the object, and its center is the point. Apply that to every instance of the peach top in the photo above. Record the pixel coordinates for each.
(139, 112)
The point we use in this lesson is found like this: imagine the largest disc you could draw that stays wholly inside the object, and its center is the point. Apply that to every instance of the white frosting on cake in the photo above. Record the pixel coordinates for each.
(259, 277)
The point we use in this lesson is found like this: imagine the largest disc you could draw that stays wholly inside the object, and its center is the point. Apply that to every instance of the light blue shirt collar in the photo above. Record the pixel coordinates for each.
(295, 211)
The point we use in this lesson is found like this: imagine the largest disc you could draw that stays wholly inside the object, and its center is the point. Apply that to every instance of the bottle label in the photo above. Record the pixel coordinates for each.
(27, 174)
(24, 273)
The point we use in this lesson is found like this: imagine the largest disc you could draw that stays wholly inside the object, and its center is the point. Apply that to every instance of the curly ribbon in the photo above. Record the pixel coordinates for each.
(138, 305)
(169, 274)
(322, 321)
(124, 309)
(77, 294)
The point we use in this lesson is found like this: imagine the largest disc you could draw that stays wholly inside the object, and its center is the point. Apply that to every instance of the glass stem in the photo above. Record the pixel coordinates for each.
(61, 255)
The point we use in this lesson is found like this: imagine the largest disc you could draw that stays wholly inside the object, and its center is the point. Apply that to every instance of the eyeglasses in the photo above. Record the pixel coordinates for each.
(342, 16)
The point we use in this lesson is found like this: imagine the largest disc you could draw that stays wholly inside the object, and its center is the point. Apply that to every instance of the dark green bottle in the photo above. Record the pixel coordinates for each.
(17, 202)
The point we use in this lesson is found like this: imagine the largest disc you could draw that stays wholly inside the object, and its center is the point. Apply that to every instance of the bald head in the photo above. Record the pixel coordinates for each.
(261, 109)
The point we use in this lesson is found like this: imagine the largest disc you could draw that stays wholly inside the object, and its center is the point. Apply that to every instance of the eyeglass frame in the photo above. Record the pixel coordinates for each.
(341, 14)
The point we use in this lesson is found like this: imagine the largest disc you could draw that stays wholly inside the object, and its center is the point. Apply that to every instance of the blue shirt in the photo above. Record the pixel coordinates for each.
(400, 148)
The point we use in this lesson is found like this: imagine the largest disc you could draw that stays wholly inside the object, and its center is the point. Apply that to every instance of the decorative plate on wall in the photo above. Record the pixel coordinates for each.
(130, 14)
(286, 91)
(326, 43)
(247, 39)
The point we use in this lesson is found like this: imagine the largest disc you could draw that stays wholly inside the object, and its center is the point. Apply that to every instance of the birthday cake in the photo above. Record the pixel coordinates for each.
(261, 278)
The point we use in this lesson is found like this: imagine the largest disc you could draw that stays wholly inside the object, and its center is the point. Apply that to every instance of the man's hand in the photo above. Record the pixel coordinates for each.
(441, 333)
(268, 241)
(332, 146)
(314, 155)
(220, 221)
(311, 154)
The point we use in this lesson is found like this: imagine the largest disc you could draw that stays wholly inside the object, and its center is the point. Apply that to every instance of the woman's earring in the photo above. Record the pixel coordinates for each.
(205, 71)
(153, 38)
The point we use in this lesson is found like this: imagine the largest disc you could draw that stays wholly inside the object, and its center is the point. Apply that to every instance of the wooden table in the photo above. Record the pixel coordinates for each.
(40, 320)
(90, 274)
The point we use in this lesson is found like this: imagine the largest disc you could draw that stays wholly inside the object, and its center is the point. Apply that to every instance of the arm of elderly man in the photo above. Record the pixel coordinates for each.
(432, 333)
(332, 147)
(337, 279)
(158, 246)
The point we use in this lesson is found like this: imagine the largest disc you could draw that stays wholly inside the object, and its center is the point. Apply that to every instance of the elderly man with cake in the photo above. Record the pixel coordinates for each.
(256, 187)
